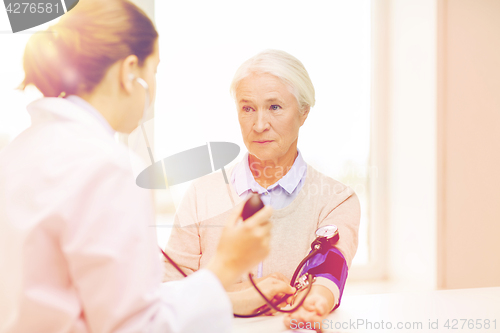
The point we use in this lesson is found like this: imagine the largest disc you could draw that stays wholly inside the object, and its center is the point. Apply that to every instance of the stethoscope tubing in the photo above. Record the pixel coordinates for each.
(270, 305)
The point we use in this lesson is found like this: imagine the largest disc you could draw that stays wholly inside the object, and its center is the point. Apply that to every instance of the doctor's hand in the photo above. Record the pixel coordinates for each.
(242, 245)
(315, 308)
(273, 286)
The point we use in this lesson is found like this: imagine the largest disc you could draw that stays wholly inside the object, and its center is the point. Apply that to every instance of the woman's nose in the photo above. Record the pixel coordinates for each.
(261, 123)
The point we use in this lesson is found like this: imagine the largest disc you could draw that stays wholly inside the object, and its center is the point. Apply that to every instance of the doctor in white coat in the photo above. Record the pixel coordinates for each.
(77, 250)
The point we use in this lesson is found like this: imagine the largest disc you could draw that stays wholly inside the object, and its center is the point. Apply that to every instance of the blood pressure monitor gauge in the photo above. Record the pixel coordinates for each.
(328, 232)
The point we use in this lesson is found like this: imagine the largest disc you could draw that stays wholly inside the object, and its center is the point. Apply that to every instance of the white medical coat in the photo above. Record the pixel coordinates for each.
(78, 250)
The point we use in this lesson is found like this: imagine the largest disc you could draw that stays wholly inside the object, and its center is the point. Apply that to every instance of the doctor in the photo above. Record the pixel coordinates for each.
(77, 250)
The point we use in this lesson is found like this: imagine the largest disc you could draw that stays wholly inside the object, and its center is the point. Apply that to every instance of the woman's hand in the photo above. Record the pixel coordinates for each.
(273, 286)
(242, 245)
(247, 284)
(315, 308)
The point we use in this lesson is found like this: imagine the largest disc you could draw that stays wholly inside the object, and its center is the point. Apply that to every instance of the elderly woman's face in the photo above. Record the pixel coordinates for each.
(269, 116)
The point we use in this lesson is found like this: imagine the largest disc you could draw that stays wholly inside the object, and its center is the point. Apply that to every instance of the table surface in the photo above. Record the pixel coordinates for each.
(457, 310)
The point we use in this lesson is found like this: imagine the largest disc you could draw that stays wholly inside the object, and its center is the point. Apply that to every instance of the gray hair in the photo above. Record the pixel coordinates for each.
(285, 67)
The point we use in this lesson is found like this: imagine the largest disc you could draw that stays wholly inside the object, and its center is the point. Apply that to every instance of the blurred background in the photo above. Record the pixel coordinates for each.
(407, 113)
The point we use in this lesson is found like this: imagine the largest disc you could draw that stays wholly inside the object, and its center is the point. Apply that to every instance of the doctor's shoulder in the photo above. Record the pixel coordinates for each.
(81, 151)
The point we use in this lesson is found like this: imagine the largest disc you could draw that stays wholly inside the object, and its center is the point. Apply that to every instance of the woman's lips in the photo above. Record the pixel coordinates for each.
(264, 142)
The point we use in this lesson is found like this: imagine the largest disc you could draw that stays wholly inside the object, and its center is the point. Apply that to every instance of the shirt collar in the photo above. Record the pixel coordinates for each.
(90, 109)
(291, 180)
(240, 176)
(243, 180)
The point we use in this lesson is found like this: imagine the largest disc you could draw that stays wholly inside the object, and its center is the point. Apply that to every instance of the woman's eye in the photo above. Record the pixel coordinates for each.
(247, 109)
(275, 107)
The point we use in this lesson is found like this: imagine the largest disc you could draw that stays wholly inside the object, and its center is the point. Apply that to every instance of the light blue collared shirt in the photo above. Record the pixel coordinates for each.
(90, 109)
(278, 195)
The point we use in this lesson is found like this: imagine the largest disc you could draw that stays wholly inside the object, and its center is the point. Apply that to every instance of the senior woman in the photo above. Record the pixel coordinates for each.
(273, 95)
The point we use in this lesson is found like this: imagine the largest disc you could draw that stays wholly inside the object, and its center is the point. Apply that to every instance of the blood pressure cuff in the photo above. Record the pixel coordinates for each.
(331, 265)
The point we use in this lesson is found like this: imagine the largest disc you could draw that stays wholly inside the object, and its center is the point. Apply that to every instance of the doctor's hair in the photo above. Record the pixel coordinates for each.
(285, 67)
(74, 55)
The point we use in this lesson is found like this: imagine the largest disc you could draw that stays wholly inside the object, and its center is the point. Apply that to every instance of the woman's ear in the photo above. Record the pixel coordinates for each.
(303, 114)
(128, 70)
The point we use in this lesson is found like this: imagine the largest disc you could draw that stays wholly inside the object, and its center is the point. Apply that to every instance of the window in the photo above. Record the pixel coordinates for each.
(13, 115)
(202, 45)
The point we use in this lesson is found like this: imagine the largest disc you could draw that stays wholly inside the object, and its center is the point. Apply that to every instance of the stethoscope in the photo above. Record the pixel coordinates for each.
(326, 237)
(145, 85)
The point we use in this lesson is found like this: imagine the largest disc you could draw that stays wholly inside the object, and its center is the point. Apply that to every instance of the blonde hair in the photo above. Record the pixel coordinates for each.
(285, 67)
(73, 55)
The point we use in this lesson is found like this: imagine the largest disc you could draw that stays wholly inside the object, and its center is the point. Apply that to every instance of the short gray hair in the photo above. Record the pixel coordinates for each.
(285, 67)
